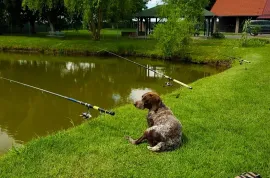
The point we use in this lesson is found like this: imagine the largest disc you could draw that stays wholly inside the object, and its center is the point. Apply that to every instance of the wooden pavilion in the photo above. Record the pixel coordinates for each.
(145, 22)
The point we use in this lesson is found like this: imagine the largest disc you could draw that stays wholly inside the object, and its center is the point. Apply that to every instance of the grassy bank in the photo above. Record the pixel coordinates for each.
(226, 127)
(80, 43)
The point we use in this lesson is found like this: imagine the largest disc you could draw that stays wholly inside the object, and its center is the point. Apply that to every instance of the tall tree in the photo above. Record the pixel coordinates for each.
(94, 12)
(13, 9)
(50, 10)
(2, 19)
(174, 35)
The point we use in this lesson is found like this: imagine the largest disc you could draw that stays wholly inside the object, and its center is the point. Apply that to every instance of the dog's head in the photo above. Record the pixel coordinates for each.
(150, 100)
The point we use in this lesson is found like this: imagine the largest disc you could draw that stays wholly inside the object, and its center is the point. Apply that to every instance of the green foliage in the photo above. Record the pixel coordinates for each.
(253, 42)
(256, 42)
(218, 35)
(39, 5)
(255, 30)
(2, 19)
(49, 10)
(126, 49)
(245, 31)
(94, 12)
(174, 35)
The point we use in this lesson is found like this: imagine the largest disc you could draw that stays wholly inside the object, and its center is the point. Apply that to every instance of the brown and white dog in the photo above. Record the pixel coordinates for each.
(164, 131)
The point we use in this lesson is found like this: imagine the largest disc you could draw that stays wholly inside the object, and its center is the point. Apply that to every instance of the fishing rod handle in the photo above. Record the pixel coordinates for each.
(103, 110)
(176, 81)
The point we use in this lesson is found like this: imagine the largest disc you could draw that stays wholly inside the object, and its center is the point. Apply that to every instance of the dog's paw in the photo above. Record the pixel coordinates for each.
(130, 140)
(154, 149)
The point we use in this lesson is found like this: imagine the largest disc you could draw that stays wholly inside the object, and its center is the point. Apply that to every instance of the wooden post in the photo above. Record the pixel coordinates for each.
(141, 24)
(237, 25)
(204, 27)
(138, 26)
(215, 25)
(208, 27)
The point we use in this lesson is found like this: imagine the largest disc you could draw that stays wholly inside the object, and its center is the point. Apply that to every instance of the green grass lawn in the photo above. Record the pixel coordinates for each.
(80, 42)
(225, 123)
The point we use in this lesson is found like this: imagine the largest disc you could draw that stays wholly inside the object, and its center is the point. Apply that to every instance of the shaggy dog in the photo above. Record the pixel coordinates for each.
(164, 131)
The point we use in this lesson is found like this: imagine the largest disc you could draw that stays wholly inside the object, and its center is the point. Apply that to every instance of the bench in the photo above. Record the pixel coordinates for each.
(56, 34)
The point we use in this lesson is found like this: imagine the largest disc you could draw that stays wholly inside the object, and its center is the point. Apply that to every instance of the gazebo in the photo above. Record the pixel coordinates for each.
(145, 21)
(209, 24)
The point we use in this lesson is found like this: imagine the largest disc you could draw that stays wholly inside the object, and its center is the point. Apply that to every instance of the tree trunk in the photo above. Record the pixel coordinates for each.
(33, 27)
(51, 26)
(51, 20)
(99, 23)
(96, 25)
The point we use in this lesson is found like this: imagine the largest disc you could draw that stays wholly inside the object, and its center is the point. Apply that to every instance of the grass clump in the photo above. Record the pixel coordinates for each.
(255, 42)
(225, 122)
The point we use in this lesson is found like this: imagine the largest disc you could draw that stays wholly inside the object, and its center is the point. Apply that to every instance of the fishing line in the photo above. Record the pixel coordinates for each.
(85, 115)
(167, 77)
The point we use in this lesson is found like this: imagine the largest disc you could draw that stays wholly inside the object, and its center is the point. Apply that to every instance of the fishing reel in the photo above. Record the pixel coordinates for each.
(241, 62)
(169, 83)
(86, 115)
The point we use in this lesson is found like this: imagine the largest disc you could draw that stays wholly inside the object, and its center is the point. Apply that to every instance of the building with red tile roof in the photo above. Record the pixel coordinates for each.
(232, 13)
(266, 11)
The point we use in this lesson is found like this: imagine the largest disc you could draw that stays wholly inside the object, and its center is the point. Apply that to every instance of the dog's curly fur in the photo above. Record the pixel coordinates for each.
(164, 131)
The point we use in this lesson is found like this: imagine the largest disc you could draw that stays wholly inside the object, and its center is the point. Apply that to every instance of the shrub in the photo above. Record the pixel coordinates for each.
(126, 49)
(255, 42)
(255, 30)
(218, 35)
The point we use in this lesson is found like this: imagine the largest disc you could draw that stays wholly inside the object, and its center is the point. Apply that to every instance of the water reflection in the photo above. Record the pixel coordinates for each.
(136, 94)
(150, 73)
(6, 141)
(106, 82)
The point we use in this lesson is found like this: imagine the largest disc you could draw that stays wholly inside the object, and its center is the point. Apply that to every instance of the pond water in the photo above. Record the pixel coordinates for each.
(26, 113)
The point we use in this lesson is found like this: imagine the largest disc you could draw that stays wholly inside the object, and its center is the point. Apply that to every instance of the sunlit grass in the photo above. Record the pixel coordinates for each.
(225, 122)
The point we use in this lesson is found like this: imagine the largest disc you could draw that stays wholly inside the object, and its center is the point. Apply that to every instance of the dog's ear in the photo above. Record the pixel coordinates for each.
(156, 102)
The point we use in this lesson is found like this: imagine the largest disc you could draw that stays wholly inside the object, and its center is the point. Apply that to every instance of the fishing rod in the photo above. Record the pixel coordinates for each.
(169, 78)
(85, 115)
(241, 61)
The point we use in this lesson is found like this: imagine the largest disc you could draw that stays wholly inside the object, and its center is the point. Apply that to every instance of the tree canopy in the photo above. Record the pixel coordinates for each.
(94, 12)
(49, 10)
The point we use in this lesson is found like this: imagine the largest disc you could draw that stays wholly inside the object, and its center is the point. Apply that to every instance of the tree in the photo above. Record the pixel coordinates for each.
(13, 9)
(29, 16)
(173, 36)
(17, 16)
(51, 10)
(2, 20)
(95, 12)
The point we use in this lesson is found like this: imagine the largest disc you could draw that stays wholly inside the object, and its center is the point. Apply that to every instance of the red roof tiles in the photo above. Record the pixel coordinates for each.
(266, 10)
(239, 7)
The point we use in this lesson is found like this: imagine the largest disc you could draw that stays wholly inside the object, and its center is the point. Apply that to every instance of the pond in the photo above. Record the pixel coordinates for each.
(27, 113)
